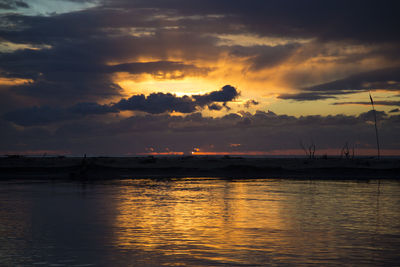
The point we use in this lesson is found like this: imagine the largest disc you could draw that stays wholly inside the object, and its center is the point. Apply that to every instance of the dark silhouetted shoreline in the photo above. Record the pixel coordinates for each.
(93, 168)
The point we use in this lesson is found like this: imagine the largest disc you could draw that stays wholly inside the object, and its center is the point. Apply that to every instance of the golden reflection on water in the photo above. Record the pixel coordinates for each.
(226, 221)
(190, 218)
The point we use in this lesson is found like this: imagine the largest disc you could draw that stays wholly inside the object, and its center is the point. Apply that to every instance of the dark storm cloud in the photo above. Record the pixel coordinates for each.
(263, 56)
(370, 115)
(159, 102)
(62, 74)
(88, 108)
(327, 20)
(154, 103)
(214, 107)
(395, 110)
(62, 63)
(156, 68)
(310, 96)
(227, 93)
(305, 96)
(386, 79)
(47, 115)
(37, 116)
(109, 33)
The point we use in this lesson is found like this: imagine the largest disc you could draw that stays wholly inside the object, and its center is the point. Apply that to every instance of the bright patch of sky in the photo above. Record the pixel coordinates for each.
(52, 7)
(8, 47)
(251, 40)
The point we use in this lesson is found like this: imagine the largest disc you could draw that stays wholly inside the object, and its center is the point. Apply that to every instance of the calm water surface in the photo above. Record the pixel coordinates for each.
(200, 222)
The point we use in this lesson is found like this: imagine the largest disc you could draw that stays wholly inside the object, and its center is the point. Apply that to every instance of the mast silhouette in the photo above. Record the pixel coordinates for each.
(376, 127)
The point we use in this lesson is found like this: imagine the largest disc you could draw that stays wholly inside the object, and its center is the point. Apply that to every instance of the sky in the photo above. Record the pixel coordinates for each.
(141, 77)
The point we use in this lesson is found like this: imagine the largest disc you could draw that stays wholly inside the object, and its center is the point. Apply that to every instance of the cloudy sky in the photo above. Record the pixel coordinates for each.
(127, 77)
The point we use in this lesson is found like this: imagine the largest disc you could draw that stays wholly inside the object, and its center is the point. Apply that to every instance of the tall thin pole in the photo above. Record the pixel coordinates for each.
(376, 127)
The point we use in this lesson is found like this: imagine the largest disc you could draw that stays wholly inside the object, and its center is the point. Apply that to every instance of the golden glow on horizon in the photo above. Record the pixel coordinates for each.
(225, 72)
(179, 87)
(264, 85)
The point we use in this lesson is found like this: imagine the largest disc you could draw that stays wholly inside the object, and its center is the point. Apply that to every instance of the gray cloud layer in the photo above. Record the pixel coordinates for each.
(255, 132)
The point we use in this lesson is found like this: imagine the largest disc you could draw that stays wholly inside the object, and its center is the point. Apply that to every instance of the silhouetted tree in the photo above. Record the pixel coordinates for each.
(308, 149)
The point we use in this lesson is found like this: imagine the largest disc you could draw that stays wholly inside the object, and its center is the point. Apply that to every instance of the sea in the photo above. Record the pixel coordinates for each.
(200, 222)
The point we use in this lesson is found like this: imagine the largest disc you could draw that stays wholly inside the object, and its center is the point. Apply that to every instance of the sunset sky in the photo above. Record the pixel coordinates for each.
(137, 77)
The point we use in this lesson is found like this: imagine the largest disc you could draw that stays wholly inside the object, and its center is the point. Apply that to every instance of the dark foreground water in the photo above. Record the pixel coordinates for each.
(195, 222)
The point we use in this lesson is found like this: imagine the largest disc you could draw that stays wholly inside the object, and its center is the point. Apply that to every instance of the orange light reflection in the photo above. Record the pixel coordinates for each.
(297, 152)
(180, 216)
(162, 153)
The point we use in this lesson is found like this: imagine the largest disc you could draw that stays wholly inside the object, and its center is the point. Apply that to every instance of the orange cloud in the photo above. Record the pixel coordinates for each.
(14, 81)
